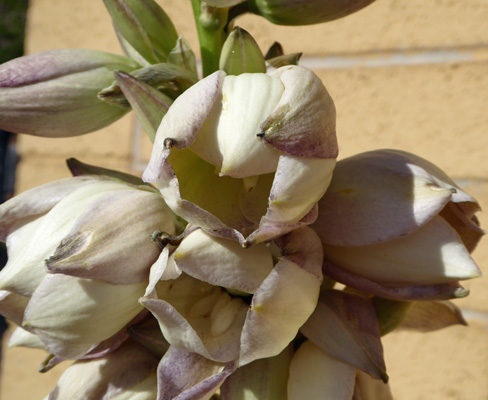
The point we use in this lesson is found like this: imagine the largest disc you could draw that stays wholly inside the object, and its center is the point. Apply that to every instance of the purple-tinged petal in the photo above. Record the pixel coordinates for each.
(201, 197)
(303, 122)
(433, 254)
(52, 64)
(189, 376)
(198, 317)
(118, 250)
(37, 201)
(73, 315)
(285, 299)
(62, 102)
(223, 262)
(404, 292)
(148, 334)
(316, 375)
(298, 185)
(162, 269)
(106, 377)
(428, 316)
(183, 121)
(266, 378)
(101, 349)
(227, 139)
(346, 328)
(379, 196)
(465, 223)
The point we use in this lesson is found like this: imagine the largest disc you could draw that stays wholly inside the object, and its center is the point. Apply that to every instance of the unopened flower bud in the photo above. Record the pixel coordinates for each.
(145, 26)
(54, 93)
(241, 53)
(305, 12)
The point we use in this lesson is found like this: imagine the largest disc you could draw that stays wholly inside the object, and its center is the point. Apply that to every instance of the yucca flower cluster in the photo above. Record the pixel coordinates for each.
(247, 263)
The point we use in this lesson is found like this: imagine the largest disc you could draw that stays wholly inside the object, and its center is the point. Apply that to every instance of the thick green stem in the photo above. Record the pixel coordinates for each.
(211, 23)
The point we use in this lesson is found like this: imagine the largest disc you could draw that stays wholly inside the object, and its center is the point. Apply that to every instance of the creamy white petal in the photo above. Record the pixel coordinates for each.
(315, 376)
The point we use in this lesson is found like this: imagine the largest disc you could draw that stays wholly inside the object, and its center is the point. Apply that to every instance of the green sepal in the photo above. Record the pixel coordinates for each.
(390, 313)
(79, 168)
(241, 54)
(183, 56)
(275, 50)
(286, 59)
(169, 79)
(149, 104)
(145, 26)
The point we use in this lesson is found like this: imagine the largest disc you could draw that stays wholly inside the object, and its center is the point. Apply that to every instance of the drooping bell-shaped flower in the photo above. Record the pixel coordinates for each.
(54, 93)
(394, 225)
(235, 304)
(126, 373)
(247, 157)
(95, 229)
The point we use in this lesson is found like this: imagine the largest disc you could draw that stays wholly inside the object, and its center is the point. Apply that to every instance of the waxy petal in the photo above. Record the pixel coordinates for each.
(22, 338)
(163, 269)
(346, 328)
(443, 291)
(439, 257)
(120, 250)
(189, 376)
(298, 184)
(228, 138)
(12, 306)
(223, 262)
(382, 195)
(303, 122)
(198, 317)
(266, 378)
(216, 137)
(179, 132)
(313, 373)
(461, 217)
(73, 315)
(37, 201)
(25, 269)
(216, 211)
(285, 299)
(108, 377)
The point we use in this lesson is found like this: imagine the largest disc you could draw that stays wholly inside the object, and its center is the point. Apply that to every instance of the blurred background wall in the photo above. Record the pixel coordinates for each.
(410, 75)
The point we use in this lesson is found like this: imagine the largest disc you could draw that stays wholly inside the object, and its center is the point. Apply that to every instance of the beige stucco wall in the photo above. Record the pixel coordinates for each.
(411, 75)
